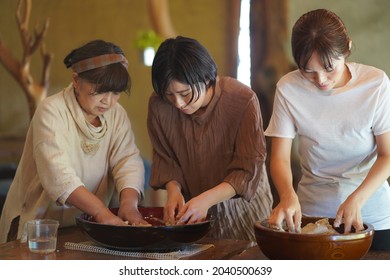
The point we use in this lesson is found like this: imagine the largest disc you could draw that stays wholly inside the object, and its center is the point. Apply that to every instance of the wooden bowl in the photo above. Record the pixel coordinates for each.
(157, 237)
(277, 245)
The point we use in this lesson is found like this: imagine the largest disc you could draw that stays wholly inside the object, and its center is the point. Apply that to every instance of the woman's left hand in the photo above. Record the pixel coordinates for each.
(349, 212)
(128, 209)
(132, 215)
(194, 211)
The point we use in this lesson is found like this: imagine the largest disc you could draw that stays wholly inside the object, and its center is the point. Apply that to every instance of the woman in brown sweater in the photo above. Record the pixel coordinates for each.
(208, 142)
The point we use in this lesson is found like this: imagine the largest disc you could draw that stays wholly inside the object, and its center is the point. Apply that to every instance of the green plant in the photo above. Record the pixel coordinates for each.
(146, 39)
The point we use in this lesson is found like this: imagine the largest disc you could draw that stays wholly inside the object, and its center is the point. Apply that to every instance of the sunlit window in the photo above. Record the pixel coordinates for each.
(244, 52)
(149, 56)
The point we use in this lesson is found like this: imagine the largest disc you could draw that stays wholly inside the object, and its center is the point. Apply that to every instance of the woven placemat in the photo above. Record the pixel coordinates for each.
(174, 254)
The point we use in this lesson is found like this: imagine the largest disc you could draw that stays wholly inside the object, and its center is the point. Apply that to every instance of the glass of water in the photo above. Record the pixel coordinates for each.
(42, 235)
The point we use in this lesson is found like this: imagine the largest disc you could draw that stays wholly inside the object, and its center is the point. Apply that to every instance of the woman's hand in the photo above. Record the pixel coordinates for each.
(174, 203)
(105, 216)
(349, 212)
(131, 215)
(289, 210)
(128, 209)
(194, 211)
(89, 203)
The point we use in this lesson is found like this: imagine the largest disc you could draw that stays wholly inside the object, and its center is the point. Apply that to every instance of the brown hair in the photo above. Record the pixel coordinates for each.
(320, 31)
(113, 77)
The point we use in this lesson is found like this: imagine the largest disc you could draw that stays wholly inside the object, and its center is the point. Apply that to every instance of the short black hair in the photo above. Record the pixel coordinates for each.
(185, 60)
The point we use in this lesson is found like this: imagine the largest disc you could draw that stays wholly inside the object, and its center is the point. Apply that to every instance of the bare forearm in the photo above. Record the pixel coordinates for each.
(218, 194)
(129, 197)
(379, 173)
(86, 201)
(213, 196)
(282, 177)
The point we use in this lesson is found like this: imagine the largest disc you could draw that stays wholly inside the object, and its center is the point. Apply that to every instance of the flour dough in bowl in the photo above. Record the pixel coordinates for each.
(321, 226)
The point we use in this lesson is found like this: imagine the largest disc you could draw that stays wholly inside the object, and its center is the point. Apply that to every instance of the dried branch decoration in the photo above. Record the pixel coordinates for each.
(161, 19)
(20, 70)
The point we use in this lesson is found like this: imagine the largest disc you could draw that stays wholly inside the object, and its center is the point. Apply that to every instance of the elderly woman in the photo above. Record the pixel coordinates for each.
(79, 149)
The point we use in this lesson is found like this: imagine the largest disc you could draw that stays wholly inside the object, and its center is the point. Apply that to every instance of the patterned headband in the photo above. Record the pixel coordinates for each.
(99, 61)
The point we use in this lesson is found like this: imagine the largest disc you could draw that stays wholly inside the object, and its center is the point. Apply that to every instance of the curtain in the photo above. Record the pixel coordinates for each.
(269, 62)
(233, 29)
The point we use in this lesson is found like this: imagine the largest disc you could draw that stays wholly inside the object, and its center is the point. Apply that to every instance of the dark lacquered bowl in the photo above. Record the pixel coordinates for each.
(278, 245)
(150, 238)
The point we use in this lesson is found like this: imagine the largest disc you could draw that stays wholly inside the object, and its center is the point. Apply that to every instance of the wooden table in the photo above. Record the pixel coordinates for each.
(254, 253)
(224, 249)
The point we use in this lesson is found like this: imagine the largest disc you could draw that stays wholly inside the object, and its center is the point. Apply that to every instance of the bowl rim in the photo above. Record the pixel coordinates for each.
(79, 218)
(369, 229)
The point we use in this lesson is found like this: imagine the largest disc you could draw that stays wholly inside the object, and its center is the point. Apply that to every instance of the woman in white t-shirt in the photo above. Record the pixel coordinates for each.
(340, 114)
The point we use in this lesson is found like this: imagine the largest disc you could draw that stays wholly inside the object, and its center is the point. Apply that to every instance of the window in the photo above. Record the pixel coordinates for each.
(244, 51)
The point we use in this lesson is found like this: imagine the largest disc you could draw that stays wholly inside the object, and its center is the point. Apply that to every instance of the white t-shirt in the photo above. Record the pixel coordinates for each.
(336, 135)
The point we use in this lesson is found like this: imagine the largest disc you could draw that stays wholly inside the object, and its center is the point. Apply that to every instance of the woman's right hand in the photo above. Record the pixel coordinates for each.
(288, 210)
(174, 203)
(89, 203)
